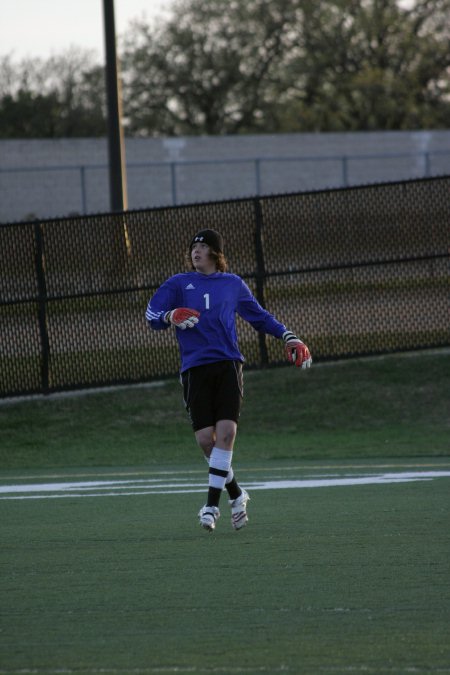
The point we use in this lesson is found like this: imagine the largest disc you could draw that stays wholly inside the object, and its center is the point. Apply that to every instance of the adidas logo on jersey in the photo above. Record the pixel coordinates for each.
(190, 287)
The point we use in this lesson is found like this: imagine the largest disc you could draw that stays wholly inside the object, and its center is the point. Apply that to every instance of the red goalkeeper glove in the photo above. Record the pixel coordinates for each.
(183, 317)
(296, 351)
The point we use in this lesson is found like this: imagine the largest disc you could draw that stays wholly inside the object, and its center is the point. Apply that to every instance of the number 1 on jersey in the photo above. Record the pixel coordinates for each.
(206, 296)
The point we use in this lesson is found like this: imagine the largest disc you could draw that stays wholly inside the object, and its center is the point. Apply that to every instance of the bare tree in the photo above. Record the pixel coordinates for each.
(61, 96)
(234, 66)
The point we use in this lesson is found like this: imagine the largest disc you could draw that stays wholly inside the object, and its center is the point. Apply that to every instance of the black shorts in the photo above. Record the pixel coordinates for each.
(213, 392)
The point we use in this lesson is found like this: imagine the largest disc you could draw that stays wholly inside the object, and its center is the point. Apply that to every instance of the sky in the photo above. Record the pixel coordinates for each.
(44, 28)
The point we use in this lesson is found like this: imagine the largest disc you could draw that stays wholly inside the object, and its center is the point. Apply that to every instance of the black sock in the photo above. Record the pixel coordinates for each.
(233, 489)
(213, 496)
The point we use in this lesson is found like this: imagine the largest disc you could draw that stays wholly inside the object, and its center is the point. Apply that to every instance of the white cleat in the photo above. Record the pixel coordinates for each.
(208, 516)
(239, 516)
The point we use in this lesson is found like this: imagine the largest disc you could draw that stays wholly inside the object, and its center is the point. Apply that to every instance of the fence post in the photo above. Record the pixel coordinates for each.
(260, 275)
(344, 171)
(83, 190)
(173, 180)
(258, 176)
(42, 306)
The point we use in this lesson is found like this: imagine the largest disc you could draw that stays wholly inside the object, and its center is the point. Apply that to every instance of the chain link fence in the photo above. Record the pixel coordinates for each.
(353, 271)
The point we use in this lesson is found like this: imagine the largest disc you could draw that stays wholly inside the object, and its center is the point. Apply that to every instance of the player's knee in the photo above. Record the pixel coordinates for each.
(226, 436)
(227, 441)
(206, 441)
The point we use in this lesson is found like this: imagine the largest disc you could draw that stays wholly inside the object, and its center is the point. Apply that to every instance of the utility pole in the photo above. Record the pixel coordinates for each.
(116, 146)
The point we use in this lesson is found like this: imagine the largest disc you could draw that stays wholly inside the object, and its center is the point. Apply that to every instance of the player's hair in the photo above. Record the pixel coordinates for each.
(218, 257)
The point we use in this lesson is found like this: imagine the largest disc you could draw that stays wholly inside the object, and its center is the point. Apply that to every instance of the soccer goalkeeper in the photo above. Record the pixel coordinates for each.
(202, 304)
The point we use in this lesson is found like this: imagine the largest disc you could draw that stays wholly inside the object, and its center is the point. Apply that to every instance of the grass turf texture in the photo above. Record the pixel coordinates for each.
(394, 406)
(321, 581)
(343, 579)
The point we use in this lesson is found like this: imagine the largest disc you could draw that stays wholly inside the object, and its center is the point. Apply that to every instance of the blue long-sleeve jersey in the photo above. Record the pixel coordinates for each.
(218, 297)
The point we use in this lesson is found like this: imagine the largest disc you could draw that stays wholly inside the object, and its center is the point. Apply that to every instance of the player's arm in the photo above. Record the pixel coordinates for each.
(163, 310)
(181, 317)
(162, 301)
(250, 310)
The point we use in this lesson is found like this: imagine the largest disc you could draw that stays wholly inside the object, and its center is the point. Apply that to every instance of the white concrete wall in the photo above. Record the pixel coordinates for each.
(54, 178)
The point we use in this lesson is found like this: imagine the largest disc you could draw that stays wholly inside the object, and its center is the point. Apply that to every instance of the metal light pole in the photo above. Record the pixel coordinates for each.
(116, 147)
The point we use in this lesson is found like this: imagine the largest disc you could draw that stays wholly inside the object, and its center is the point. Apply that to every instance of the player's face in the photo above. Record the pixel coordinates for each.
(201, 259)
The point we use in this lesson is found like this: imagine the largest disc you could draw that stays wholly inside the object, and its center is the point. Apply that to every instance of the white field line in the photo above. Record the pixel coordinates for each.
(178, 486)
(368, 468)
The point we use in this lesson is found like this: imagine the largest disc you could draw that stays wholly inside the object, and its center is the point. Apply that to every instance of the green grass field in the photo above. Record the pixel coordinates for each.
(350, 578)
(104, 568)
(395, 406)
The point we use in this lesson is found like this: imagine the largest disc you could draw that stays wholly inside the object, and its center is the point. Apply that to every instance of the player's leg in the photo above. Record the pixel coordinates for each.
(225, 435)
(209, 513)
(207, 439)
(226, 395)
(228, 407)
(213, 398)
(217, 445)
(238, 497)
(198, 389)
(227, 404)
